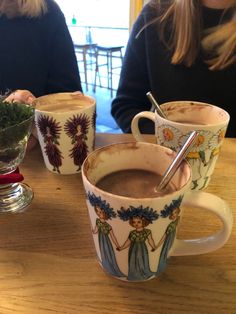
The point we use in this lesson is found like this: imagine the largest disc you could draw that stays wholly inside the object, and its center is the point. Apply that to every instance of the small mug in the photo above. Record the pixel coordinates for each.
(134, 236)
(65, 124)
(183, 117)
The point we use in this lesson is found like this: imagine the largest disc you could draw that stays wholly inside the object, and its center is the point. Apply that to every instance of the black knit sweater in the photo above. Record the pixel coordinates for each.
(147, 67)
(38, 54)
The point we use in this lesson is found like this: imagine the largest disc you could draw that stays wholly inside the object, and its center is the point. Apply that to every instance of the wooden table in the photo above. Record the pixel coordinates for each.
(48, 263)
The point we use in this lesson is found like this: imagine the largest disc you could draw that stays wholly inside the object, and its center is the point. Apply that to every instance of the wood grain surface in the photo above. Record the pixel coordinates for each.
(48, 262)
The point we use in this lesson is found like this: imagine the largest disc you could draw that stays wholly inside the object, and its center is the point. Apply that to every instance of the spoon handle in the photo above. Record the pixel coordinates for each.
(178, 159)
(156, 106)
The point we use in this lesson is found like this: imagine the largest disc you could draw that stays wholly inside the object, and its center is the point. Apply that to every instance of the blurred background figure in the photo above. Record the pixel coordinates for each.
(37, 52)
(179, 50)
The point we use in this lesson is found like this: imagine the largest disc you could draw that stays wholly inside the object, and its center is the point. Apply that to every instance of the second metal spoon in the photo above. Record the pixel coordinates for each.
(188, 144)
(155, 105)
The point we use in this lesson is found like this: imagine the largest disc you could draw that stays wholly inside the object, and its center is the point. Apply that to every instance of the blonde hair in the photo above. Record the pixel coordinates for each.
(187, 37)
(27, 8)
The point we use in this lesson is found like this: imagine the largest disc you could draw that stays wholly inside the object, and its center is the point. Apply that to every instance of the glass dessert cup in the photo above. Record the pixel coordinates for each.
(14, 196)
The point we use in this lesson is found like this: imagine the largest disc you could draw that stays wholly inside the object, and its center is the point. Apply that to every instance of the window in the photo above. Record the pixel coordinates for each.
(104, 22)
(107, 20)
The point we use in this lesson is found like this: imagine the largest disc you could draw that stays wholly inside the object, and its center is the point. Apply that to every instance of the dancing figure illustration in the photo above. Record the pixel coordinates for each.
(50, 131)
(105, 233)
(215, 144)
(77, 128)
(139, 218)
(197, 157)
(94, 116)
(172, 211)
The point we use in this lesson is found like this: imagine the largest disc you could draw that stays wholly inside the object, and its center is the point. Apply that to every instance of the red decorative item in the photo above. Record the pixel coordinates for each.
(12, 177)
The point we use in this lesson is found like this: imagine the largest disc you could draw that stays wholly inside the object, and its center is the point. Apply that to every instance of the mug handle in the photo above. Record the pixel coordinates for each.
(213, 242)
(135, 127)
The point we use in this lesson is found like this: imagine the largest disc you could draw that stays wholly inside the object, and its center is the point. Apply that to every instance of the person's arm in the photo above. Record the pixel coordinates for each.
(114, 240)
(95, 229)
(63, 73)
(161, 240)
(124, 246)
(134, 81)
(151, 242)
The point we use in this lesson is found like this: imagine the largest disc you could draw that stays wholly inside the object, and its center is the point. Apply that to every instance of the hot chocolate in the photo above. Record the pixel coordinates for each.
(135, 183)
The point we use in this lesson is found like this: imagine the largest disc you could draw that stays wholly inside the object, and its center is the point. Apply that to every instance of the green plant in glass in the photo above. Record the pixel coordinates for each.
(16, 122)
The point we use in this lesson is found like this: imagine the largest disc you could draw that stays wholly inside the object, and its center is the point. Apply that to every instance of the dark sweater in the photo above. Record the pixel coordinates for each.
(147, 67)
(38, 54)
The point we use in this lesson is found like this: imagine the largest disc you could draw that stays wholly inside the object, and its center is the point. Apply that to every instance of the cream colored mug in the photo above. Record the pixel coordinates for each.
(65, 124)
(183, 117)
(135, 232)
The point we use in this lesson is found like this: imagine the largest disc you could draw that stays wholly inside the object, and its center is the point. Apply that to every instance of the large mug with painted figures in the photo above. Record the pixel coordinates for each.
(134, 226)
(65, 124)
(183, 117)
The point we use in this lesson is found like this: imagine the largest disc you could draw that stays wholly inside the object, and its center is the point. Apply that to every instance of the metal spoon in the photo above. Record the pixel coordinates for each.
(188, 144)
(155, 105)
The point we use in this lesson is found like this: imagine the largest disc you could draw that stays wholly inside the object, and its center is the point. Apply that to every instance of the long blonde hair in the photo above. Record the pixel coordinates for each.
(27, 8)
(187, 37)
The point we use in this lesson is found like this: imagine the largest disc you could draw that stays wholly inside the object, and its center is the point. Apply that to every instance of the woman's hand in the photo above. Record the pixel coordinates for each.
(21, 95)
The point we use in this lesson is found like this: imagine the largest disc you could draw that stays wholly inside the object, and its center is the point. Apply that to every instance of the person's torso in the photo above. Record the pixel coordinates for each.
(177, 82)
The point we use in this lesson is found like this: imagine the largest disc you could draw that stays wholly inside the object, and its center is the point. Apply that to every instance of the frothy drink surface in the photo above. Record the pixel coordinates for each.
(136, 183)
(62, 107)
(189, 122)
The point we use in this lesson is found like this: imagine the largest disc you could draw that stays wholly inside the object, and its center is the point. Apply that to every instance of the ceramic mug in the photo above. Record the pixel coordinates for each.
(65, 124)
(183, 117)
(134, 236)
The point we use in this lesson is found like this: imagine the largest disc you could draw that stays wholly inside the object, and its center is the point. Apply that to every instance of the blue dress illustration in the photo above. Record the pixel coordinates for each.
(105, 234)
(138, 256)
(169, 240)
(108, 258)
(171, 211)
